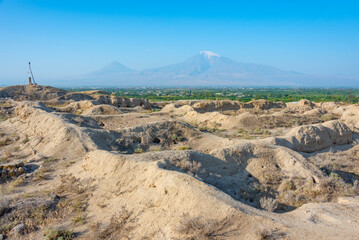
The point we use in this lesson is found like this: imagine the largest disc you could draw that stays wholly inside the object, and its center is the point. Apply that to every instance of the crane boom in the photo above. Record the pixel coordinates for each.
(33, 79)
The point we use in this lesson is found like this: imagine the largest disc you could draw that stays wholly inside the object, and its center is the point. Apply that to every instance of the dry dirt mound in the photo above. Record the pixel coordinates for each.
(351, 115)
(154, 186)
(246, 120)
(122, 101)
(170, 197)
(54, 95)
(317, 137)
(247, 172)
(75, 107)
(94, 107)
(62, 129)
(306, 103)
(171, 108)
(203, 106)
(225, 105)
(102, 110)
(31, 92)
(59, 131)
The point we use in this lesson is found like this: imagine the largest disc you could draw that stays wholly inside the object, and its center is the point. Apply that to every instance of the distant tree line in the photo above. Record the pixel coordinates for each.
(239, 94)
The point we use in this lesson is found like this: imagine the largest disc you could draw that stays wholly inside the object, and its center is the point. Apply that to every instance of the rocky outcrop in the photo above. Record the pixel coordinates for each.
(11, 170)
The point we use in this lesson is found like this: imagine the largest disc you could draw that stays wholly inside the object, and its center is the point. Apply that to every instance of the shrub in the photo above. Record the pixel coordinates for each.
(157, 149)
(58, 234)
(202, 128)
(268, 203)
(286, 185)
(79, 219)
(271, 235)
(176, 138)
(26, 140)
(40, 174)
(261, 131)
(138, 150)
(51, 159)
(182, 148)
(241, 130)
(4, 142)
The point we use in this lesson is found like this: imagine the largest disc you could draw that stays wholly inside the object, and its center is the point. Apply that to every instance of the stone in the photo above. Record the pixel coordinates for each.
(18, 229)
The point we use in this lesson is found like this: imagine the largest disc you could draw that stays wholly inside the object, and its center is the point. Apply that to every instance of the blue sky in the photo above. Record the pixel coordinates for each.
(67, 38)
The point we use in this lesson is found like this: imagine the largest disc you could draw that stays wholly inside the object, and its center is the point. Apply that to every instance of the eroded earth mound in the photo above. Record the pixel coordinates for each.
(94, 166)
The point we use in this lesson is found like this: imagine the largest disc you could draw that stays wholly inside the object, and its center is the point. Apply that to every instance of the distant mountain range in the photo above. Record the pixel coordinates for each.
(203, 69)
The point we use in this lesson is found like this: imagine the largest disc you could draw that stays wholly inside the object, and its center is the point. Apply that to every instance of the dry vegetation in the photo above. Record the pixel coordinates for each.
(201, 228)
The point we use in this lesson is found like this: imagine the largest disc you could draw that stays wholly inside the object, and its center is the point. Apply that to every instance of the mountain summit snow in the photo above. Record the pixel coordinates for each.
(209, 54)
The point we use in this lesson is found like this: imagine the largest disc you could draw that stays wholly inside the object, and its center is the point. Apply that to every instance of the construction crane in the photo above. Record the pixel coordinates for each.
(31, 79)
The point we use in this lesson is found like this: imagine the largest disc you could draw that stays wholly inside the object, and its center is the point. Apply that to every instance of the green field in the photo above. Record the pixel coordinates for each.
(240, 94)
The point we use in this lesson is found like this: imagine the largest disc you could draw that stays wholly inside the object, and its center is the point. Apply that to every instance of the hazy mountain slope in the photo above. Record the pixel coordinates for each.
(113, 74)
(208, 62)
(210, 68)
(113, 68)
(203, 69)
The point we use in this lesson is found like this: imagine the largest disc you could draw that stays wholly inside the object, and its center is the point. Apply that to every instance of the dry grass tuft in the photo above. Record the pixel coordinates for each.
(4, 203)
(120, 226)
(32, 217)
(79, 219)
(201, 228)
(17, 182)
(271, 235)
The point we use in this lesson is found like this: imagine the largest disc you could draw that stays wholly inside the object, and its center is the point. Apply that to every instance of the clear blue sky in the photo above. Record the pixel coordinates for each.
(72, 37)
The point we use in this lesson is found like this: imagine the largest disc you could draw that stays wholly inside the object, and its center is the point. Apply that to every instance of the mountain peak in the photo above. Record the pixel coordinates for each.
(113, 68)
(209, 54)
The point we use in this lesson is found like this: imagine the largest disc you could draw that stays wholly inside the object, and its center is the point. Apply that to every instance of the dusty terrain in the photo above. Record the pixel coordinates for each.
(95, 166)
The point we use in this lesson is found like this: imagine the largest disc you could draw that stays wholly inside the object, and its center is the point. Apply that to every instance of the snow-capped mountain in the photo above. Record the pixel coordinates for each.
(211, 68)
(203, 69)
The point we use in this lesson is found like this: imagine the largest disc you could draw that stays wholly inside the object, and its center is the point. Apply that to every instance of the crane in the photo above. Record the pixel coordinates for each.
(32, 77)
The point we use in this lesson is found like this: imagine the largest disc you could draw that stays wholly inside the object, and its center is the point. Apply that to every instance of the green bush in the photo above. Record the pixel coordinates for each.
(138, 150)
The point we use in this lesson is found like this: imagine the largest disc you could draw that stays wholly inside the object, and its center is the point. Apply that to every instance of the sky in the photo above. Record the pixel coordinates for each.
(70, 38)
